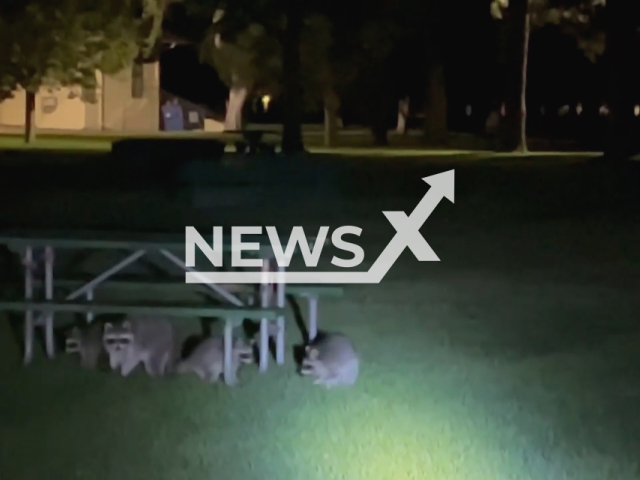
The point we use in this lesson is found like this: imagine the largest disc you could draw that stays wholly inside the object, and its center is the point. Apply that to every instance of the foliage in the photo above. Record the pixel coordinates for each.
(580, 19)
(63, 42)
(317, 71)
(247, 57)
(244, 45)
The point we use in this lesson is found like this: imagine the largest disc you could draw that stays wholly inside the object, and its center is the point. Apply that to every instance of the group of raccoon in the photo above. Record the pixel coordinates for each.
(330, 358)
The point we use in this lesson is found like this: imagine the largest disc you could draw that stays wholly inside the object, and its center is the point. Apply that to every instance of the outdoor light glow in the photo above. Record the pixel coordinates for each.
(636, 110)
(468, 110)
(266, 99)
(579, 108)
(604, 110)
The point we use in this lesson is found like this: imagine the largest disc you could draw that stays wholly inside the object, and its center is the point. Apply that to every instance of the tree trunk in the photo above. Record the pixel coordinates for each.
(331, 107)
(492, 122)
(621, 47)
(435, 113)
(512, 128)
(403, 114)
(30, 117)
(292, 82)
(522, 147)
(235, 103)
(379, 132)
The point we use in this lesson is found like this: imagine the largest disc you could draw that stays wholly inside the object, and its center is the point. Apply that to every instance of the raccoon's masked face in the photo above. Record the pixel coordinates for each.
(72, 343)
(310, 362)
(244, 351)
(117, 341)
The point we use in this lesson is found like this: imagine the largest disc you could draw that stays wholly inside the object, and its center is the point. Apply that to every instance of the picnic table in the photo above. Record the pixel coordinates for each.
(255, 141)
(234, 309)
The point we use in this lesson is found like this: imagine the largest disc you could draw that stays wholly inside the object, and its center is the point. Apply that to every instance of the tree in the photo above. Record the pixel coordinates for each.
(292, 77)
(622, 46)
(512, 130)
(319, 75)
(362, 65)
(245, 60)
(255, 47)
(55, 43)
(578, 18)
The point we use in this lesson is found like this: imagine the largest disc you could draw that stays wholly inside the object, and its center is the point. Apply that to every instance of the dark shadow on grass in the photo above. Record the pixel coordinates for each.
(298, 349)
(11, 275)
(16, 328)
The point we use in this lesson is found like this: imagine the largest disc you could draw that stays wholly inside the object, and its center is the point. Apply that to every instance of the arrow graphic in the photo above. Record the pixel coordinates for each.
(407, 236)
(408, 228)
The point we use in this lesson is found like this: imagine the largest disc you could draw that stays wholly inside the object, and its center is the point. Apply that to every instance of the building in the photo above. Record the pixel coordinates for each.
(128, 102)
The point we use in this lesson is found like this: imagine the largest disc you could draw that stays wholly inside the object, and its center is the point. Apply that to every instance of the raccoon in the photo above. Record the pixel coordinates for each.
(87, 341)
(332, 360)
(149, 340)
(207, 360)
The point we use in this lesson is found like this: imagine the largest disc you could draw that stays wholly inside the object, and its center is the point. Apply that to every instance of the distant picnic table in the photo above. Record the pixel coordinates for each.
(254, 141)
(38, 249)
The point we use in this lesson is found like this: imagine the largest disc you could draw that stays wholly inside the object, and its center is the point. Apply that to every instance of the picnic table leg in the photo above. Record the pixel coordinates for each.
(48, 284)
(313, 317)
(264, 322)
(27, 261)
(89, 299)
(229, 377)
(280, 297)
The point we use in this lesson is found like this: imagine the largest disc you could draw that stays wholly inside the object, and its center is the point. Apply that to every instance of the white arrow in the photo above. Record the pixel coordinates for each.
(408, 227)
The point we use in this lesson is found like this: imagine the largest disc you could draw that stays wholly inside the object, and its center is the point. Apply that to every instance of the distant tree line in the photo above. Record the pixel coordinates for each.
(313, 54)
(64, 42)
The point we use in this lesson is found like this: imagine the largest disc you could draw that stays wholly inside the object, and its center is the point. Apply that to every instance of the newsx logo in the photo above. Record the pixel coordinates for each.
(407, 236)
(310, 253)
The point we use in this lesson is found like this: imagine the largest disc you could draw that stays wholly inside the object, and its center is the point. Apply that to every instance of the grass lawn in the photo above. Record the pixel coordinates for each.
(514, 357)
(15, 142)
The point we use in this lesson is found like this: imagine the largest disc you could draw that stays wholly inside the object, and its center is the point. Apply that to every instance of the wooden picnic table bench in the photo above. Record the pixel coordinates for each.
(310, 292)
(81, 298)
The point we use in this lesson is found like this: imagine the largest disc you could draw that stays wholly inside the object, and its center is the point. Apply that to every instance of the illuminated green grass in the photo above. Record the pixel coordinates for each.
(442, 395)
(90, 144)
(515, 357)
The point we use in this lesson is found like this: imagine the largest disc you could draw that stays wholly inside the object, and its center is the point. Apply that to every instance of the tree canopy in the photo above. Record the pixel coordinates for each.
(244, 43)
(582, 20)
(64, 42)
